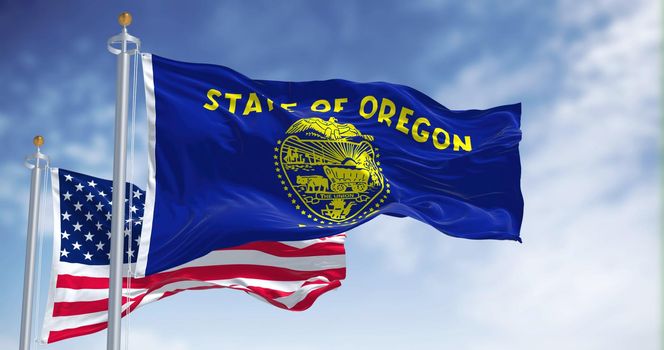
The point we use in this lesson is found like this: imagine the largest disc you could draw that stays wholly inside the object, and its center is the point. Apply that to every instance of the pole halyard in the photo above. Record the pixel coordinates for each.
(37, 162)
(123, 51)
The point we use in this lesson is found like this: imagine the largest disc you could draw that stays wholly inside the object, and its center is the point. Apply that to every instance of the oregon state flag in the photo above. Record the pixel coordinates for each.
(235, 160)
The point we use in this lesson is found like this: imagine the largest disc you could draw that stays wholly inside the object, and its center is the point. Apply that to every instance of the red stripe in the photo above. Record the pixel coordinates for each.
(72, 308)
(84, 307)
(308, 300)
(54, 336)
(266, 293)
(287, 251)
(176, 291)
(202, 273)
(313, 295)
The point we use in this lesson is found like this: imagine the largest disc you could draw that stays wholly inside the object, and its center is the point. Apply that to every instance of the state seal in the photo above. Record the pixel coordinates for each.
(330, 171)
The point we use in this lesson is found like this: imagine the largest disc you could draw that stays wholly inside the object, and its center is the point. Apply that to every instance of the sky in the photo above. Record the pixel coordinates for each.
(587, 275)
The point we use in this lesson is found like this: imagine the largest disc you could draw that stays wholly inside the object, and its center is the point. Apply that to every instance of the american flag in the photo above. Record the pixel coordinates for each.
(290, 275)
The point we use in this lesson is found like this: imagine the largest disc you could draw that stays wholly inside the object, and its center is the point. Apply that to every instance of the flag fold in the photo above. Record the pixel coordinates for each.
(235, 160)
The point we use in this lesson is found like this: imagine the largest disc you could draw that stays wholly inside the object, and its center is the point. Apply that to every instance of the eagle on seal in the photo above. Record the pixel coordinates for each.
(329, 128)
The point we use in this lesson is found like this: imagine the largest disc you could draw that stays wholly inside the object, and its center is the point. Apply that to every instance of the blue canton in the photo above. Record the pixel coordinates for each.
(85, 219)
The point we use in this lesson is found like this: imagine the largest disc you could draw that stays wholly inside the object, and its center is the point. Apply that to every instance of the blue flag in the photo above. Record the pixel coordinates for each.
(235, 160)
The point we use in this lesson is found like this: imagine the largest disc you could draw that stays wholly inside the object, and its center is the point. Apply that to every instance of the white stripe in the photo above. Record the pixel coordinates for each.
(67, 322)
(253, 257)
(77, 269)
(299, 295)
(303, 244)
(148, 212)
(73, 295)
(225, 257)
(282, 286)
(158, 293)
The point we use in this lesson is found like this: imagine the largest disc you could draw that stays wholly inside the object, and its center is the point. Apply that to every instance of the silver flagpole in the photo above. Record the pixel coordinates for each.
(123, 51)
(37, 162)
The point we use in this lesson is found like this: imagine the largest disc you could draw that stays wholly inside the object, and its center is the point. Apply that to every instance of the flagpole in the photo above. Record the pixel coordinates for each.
(37, 162)
(124, 40)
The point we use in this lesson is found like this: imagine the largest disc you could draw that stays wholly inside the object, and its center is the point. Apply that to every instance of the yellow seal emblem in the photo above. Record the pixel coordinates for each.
(330, 171)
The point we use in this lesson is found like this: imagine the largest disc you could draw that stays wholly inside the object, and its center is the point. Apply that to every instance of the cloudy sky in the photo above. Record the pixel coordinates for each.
(587, 72)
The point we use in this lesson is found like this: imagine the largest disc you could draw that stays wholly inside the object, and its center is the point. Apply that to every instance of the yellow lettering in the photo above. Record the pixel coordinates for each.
(287, 106)
(253, 105)
(338, 102)
(384, 116)
(316, 106)
(465, 145)
(403, 119)
(270, 105)
(436, 142)
(374, 106)
(211, 94)
(232, 101)
(422, 136)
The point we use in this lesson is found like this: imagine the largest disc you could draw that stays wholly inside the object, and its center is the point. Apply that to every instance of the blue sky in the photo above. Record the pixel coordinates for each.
(587, 274)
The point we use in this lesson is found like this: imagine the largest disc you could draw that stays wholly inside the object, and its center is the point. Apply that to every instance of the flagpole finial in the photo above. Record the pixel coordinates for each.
(125, 19)
(124, 42)
(38, 141)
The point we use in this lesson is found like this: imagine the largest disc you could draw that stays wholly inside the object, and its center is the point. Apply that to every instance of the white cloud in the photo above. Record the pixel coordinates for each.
(15, 192)
(587, 275)
(394, 238)
(90, 152)
(488, 83)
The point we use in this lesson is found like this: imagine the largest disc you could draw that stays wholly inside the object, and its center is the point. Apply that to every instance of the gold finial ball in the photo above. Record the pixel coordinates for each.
(38, 140)
(124, 19)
